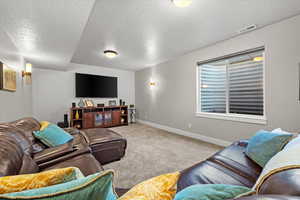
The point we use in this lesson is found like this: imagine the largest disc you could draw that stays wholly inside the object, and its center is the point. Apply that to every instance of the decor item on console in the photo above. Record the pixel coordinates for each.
(81, 103)
(112, 102)
(121, 102)
(122, 120)
(89, 103)
(73, 105)
(8, 78)
(98, 119)
(132, 113)
(66, 120)
(77, 115)
(100, 105)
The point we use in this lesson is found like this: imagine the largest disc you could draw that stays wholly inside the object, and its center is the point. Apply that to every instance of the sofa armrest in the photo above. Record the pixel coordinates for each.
(269, 197)
(78, 151)
(55, 152)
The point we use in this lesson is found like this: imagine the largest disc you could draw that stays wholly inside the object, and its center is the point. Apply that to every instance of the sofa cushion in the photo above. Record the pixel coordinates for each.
(286, 162)
(162, 187)
(289, 178)
(19, 136)
(211, 192)
(107, 146)
(29, 166)
(229, 166)
(19, 183)
(53, 136)
(44, 124)
(11, 155)
(86, 163)
(27, 125)
(264, 145)
(93, 187)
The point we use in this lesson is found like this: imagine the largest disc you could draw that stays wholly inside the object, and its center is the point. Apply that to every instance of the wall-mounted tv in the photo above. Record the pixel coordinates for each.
(94, 86)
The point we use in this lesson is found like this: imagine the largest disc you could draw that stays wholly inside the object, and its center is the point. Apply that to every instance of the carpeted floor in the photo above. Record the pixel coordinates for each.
(151, 152)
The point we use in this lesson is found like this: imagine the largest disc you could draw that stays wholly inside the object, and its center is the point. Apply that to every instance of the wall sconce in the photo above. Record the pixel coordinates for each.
(27, 73)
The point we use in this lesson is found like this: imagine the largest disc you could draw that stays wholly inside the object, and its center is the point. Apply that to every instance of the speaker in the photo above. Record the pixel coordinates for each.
(66, 120)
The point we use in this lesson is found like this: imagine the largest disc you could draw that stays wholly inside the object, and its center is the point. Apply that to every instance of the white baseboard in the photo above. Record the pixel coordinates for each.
(197, 136)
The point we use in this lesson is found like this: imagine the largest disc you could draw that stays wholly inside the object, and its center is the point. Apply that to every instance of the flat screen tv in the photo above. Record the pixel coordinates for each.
(94, 86)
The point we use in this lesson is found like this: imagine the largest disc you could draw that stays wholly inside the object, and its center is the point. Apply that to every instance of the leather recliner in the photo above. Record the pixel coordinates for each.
(18, 147)
(88, 150)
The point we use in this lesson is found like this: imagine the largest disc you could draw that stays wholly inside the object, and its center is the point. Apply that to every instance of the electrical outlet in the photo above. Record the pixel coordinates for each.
(189, 125)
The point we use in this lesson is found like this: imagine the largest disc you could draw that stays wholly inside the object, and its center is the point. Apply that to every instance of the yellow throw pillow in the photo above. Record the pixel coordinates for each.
(162, 187)
(44, 124)
(9, 184)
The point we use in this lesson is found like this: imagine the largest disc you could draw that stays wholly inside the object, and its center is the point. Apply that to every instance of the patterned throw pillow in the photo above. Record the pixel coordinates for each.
(162, 187)
(94, 187)
(10, 184)
(264, 145)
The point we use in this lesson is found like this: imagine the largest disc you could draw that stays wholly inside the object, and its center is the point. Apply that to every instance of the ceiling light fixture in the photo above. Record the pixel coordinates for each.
(110, 53)
(182, 3)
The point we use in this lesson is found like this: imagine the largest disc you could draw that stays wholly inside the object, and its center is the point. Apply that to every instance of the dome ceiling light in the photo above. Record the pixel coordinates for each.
(182, 3)
(110, 53)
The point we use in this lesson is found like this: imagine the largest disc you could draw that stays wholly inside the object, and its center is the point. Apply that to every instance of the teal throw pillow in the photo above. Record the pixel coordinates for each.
(264, 145)
(53, 136)
(94, 187)
(211, 192)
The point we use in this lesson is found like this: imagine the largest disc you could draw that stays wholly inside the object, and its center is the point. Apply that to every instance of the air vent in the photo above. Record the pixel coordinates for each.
(247, 29)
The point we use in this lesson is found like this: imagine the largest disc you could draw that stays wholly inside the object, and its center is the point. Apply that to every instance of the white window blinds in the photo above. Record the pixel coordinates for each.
(233, 85)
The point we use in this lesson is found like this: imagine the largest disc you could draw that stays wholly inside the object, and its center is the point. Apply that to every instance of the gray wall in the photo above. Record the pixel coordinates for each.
(54, 91)
(172, 102)
(13, 105)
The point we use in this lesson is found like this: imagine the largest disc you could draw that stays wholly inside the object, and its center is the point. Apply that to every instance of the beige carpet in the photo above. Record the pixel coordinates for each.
(151, 152)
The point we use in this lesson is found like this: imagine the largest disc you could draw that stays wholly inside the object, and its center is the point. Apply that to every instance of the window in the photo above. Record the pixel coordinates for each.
(232, 87)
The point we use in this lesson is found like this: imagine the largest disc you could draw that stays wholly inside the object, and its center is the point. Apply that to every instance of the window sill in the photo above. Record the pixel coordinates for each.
(234, 117)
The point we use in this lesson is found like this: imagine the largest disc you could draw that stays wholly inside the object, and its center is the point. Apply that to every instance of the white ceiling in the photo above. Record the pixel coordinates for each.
(46, 32)
(57, 33)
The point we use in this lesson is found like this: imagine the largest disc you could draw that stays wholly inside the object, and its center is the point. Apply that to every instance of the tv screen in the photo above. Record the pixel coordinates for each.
(94, 86)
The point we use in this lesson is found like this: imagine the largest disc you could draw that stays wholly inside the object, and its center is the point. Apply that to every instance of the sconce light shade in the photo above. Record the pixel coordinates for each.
(28, 68)
(27, 73)
(152, 83)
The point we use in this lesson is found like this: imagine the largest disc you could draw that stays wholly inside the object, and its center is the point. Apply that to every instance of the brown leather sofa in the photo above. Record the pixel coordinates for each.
(232, 166)
(20, 153)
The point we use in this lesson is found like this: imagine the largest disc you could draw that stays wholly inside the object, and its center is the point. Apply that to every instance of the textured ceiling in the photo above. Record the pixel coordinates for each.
(46, 32)
(57, 33)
